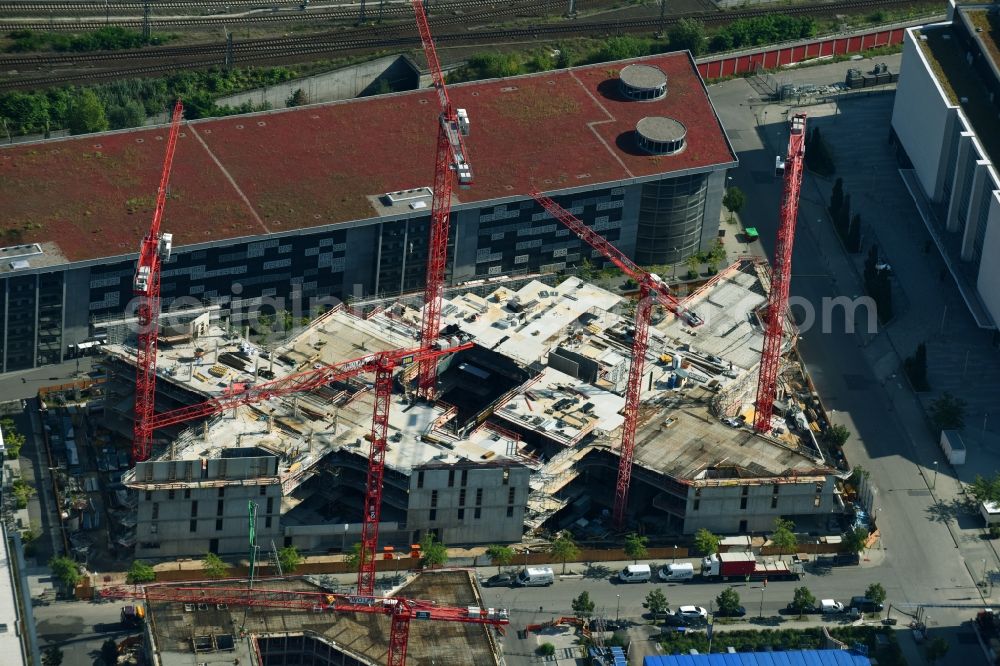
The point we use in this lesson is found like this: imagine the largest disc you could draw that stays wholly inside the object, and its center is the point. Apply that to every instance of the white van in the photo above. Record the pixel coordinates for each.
(535, 577)
(635, 573)
(677, 572)
(831, 606)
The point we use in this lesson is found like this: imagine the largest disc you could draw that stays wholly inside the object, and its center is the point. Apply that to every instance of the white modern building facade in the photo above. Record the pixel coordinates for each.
(946, 125)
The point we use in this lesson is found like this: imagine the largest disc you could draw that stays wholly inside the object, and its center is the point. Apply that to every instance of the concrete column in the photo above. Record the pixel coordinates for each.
(980, 190)
(34, 349)
(6, 322)
(62, 323)
(712, 211)
(961, 173)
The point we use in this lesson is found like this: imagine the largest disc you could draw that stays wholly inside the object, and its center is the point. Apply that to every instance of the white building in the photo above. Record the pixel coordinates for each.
(945, 123)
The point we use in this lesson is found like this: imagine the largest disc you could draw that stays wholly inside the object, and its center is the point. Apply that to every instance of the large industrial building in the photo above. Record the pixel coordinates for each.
(945, 125)
(331, 201)
(523, 437)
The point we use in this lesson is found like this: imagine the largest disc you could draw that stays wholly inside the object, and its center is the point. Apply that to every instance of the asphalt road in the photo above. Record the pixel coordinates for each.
(922, 561)
(25, 384)
(79, 628)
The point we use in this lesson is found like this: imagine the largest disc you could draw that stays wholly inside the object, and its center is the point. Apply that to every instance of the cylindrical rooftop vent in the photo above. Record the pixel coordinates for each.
(661, 136)
(643, 82)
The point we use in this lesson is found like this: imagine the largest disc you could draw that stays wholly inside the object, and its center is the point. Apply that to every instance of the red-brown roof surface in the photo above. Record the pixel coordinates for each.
(247, 175)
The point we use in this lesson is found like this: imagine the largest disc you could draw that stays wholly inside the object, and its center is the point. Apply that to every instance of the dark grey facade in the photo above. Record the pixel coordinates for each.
(45, 312)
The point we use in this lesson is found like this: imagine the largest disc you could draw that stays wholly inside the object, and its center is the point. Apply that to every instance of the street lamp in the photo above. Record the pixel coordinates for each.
(619, 608)
(674, 559)
(761, 613)
(934, 482)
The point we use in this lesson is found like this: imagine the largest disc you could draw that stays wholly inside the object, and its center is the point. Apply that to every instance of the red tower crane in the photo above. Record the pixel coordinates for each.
(451, 156)
(382, 364)
(651, 290)
(154, 250)
(777, 301)
(400, 610)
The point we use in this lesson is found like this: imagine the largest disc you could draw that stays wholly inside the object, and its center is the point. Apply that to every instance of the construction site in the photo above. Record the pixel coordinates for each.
(491, 411)
(304, 621)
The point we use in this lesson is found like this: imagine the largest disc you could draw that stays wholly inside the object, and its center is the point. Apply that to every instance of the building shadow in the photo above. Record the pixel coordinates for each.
(627, 143)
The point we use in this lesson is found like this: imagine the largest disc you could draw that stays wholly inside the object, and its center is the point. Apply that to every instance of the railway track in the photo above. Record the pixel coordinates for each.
(275, 14)
(116, 65)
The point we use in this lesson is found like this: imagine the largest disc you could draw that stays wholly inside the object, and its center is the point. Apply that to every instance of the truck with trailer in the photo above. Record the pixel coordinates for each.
(723, 566)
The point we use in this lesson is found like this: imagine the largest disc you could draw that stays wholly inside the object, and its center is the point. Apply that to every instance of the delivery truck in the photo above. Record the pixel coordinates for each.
(723, 566)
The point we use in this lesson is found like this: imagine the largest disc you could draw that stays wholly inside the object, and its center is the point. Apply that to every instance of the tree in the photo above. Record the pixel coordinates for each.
(706, 542)
(66, 571)
(783, 536)
(635, 546)
(687, 34)
(353, 557)
(52, 656)
(948, 412)
(694, 264)
(856, 539)
(837, 435)
(842, 222)
(916, 368)
(130, 114)
(109, 652)
(289, 559)
(716, 255)
(854, 235)
(936, 649)
(140, 572)
(565, 57)
(875, 592)
(622, 48)
(500, 555)
(564, 548)
(837, 198)
(86, 114)
(859, 476)
(213, 566)
(433, 553)
(546, 650)
(728, 601)
(656, 602)
(297, 98)
(985, 489)
(803, 598)
(734, 200)
(583, 606)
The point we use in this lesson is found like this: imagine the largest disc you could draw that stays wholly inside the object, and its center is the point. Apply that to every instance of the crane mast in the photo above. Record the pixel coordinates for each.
(153, 252)
(652, 289)
(450, 156)
(777, 301)
(400, 610)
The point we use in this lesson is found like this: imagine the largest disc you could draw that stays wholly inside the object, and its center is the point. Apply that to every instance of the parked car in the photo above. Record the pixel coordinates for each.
(499, 580)
(635, 573)
(830, 606)
(677, 572)
(809, 609)
(686, 616)
(865, 605)
(738, 612)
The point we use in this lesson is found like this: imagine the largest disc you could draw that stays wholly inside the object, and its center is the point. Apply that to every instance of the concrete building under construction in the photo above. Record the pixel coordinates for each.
(523, 437)
(179, 633)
